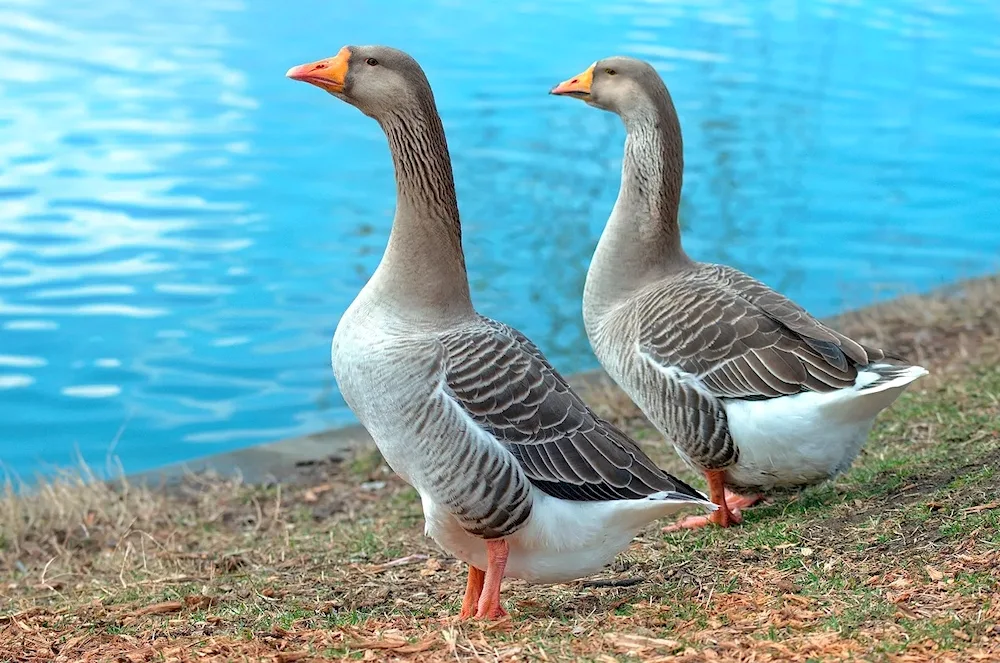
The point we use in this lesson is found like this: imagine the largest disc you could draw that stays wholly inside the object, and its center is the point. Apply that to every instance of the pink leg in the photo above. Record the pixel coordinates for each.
(473, 590)
(741, 501)
(489, 602)
(728, 513)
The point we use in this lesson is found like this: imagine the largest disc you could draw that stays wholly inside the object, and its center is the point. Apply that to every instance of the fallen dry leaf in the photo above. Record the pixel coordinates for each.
(631, 642)
(982, 507)
(199, 601)
(402, 561)
(432, 566)
(416, 647)
(312, 494)
(398, 645)
(159, 608)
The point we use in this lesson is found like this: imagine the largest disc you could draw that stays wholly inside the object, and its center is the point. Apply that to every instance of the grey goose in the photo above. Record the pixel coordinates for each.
(751, 390)
(517, 476)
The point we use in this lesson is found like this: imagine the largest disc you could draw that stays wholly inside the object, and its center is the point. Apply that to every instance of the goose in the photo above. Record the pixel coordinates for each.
(517, 476)
(751, 390)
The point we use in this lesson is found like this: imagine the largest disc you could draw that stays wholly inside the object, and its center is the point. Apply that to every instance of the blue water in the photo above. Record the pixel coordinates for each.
(181, 227)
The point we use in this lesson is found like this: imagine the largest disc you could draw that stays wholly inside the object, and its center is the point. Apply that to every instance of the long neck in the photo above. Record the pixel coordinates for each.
(423, 269)
(641, 241)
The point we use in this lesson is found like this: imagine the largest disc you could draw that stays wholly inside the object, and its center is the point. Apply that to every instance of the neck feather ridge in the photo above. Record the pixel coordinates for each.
(424, 265)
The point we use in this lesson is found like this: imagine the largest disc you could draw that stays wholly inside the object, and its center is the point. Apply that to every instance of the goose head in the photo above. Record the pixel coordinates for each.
(378, 80)
(618, 84)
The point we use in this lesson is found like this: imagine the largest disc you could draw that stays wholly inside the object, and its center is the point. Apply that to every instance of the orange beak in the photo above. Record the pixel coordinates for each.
(328, 74)
(578, 86)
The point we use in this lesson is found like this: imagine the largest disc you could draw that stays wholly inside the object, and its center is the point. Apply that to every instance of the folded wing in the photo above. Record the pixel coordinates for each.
(507, 387)
(740, 339)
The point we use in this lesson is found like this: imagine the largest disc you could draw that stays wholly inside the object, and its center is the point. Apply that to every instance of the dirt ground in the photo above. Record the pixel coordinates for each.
(897, 560)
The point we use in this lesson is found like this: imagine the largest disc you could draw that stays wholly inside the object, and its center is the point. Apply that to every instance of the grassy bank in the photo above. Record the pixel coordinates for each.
(897, 560)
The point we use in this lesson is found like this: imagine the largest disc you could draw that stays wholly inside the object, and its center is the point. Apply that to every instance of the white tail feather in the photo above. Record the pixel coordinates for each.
(891, 377)
(681, 498)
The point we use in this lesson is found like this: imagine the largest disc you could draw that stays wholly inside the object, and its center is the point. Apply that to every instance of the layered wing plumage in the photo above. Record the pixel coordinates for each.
(503, 383)
(740, 339)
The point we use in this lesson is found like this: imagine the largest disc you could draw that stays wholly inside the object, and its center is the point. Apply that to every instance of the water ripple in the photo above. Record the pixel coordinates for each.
(181, 228)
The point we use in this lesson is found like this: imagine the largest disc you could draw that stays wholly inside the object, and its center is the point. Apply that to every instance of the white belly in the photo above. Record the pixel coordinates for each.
(807, 438)
(561, 541)
(381, 369)
(784, 445)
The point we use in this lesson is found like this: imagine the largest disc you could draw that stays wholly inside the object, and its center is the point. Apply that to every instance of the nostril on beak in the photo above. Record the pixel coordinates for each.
(575, 80)
(321, 66)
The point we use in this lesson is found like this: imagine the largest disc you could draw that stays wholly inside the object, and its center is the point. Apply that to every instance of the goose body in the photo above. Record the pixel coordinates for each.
(453, 424)
(749, 388)
(709, 407)
(516, 475)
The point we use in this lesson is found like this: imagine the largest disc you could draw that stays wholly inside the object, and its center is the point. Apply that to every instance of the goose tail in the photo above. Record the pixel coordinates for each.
(698, 499)
(877, 386)
(882, 377)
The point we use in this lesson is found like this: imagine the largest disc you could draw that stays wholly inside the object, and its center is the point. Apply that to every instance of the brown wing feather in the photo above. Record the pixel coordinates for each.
(743, 340)
(505, 384)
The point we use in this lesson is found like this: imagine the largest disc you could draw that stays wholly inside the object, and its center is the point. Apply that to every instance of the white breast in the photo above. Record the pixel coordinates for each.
(377, 384)
(807, 438)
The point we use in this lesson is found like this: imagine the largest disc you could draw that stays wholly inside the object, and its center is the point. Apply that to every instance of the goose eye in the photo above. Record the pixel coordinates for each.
(372, 61)
(610, 72)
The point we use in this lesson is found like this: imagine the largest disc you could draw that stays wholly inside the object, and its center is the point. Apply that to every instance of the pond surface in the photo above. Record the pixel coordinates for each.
(181, 227)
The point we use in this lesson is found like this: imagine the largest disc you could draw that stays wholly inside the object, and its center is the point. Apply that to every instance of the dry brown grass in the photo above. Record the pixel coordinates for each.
(895, 561)
(67, 506)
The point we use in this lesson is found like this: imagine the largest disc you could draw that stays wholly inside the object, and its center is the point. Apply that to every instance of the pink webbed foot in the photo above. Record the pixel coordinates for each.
(729, 503)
